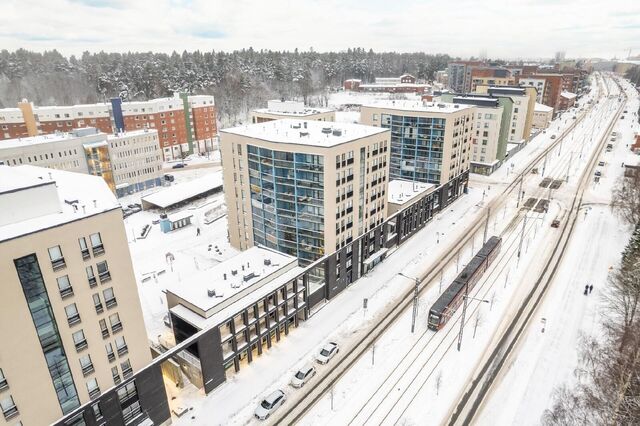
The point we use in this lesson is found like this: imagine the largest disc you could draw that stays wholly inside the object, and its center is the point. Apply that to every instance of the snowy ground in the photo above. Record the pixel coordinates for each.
(547, 360)
(234, 401)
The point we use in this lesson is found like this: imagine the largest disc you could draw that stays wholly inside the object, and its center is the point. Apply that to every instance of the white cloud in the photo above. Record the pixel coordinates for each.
(514, 29)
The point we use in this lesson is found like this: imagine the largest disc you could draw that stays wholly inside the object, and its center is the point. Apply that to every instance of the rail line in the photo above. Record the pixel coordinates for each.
(346, 359)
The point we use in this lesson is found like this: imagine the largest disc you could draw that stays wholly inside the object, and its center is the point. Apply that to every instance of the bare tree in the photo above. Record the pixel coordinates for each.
(438, 383)
(478, 321)
(625, 199)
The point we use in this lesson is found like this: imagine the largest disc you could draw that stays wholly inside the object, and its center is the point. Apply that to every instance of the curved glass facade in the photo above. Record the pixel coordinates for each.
(287, 201)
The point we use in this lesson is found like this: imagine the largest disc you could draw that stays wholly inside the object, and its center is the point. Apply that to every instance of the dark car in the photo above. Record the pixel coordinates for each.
(178, 166)
(169, 178)
(555, 223)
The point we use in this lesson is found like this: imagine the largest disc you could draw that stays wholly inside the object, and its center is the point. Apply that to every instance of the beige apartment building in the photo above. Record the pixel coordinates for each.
(71, 325)
(429, 141)
(304, 188)
(279, 109)
(542, 116)
(524, 100)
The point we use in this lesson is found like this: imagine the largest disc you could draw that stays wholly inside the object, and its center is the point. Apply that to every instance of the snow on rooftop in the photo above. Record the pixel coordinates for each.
(183, 191)
(50, 138)
(211, 288)
(567, 95)
(60, 192)
(286, 108)
(316, 133)
(402, 191)
(542, 108)
(418, 106)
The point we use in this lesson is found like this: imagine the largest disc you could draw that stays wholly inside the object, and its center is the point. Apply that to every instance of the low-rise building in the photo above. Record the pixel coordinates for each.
(567, 100)
(127, 161)
(403, 193)
(542, 116)
(71, 325)
(406, 83)
(279, 109)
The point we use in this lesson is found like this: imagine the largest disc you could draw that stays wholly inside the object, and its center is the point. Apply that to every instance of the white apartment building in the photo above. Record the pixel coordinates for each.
(537, 83)
(279, 109)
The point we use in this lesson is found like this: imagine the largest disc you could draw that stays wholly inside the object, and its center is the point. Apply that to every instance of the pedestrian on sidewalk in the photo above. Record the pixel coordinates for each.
(197, 232)
(590, 288)
(586, 289)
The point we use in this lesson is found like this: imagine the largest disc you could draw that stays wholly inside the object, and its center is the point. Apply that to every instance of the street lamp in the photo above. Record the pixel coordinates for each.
(464, 311)
(415, 301)
(437, 237)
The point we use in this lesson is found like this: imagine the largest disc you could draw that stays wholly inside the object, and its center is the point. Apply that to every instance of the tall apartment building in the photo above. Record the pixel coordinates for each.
(128, 161)
(429, 141)
(279, 109)
(185, 124)
(304, 188)
(459, 75)
(551, 88)
(524, 100)
(491, 76)
(71, 325)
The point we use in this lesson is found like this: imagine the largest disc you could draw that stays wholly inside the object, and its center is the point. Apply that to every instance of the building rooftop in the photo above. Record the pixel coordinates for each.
(288, 108)
(303, 132)
(131, 133)
(183, 191)
(568, 95)
(542, 108)
(62, 197)
(419, 106)
(50, 138)
(233, 279)
(403, 191)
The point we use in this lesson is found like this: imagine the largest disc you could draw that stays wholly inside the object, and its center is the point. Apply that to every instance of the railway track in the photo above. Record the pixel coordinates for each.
(384, 392)
(473, 397)
(297, 407)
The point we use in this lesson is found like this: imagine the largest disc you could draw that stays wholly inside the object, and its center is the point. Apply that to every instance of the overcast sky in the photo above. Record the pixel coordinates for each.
(501, 28)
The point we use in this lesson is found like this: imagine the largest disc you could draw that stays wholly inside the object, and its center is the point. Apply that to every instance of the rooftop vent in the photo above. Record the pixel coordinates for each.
(326, 130)
(302, 134)
(249, 276)
(234, 272)
(211, 292)
(337, 132)
(267, 262)
(441, 105)
(296, 126)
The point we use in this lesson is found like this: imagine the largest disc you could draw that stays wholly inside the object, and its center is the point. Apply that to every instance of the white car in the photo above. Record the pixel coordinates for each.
(327, 352)
(270, 404)
(302, 376)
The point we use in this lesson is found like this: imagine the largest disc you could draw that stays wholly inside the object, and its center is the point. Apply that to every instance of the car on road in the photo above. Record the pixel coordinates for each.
(598, 173)
(178, 166)
(270, 404)
(601, 163)
(553, 136)
(555, 223)
(302, 376)
(327, 352)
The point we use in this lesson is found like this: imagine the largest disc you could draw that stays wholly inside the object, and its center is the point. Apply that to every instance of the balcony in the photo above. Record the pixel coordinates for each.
(88, 369)
(92, 282)
(10, 412)
(123, 350)
(99, 310)
(98, 250)
(111, 303)
(58, 264)
(105, 277)
(66, 292)
(73, 319)
(116, 379)
(81, 345)
(94, 393)
(349, 178)
(3, 384)
(127, 373)
(85, 254)
(116, 327)
(349, 161)
(111, 356)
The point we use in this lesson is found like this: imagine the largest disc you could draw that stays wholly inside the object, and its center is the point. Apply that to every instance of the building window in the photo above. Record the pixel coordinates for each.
(83, 248)
(103, 328)
(86, 365)
(93, 388)
(121, 345)
(116, 325)
(3, 380)
(103, 272)
(8, 407)
(73, 317)
(110, 355)
(97, 303)
(127, 392)
(115, 374)
(127, 371)
(109, 298)
(57, 260)
(91, 277)
(79, 340)
(64, 286)
(47, 331)
(97, 412)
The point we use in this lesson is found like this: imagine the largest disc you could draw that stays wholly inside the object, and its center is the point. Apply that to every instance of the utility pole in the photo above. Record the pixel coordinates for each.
(464, 312)
(520, 190)
(441, 277)
(415, 301)
(457, 260)
(524, 225)
(486, 226)
(544, 165)
(569, 167)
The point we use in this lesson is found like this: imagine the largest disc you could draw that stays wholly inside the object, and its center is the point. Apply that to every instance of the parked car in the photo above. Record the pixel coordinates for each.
(178, 166)
(601, 163)
(598, 173)
(302, 376)
(327, 352)
(553, 136)
(555, 223)
(270, 404)
(169, 178)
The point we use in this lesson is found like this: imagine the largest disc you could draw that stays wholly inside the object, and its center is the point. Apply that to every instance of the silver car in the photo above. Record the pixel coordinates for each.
(302, 376)
(327, 352)
(270, 404)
